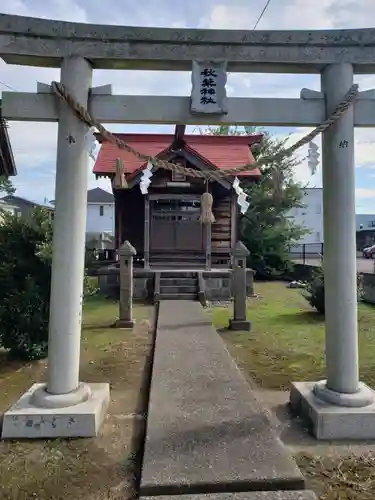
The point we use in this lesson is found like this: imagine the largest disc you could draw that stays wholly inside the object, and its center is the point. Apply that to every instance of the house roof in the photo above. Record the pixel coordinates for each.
(98, 195)
(223, 152)
(7, 163)
(4, 203)
(18, 202)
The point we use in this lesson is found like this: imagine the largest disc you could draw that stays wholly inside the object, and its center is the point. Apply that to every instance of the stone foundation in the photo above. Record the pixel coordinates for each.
(218, 283)
(26, 420)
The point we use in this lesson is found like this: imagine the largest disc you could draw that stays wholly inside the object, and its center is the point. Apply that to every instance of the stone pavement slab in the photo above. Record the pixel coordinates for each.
(206, 431)
(253, 495)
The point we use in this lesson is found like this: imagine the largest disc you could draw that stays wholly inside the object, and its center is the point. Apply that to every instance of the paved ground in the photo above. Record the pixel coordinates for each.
(206, 432)
(363, 265)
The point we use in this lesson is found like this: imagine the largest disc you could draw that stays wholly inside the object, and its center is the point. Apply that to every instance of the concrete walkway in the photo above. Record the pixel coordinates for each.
(206, 432)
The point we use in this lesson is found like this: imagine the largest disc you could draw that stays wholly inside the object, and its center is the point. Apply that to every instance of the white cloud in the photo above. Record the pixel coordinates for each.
(290, 14)
(365, 193)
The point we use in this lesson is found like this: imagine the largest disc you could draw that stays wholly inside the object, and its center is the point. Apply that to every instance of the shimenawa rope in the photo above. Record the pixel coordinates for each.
(82, 113)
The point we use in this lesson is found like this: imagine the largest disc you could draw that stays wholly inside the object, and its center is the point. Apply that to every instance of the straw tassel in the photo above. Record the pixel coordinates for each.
(206, 217)
(119, 182)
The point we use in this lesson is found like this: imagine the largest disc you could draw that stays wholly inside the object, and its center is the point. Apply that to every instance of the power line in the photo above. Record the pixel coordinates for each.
(261, 14)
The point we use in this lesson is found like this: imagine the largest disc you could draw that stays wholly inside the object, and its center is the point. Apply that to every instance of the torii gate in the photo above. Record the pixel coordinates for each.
(339, 407)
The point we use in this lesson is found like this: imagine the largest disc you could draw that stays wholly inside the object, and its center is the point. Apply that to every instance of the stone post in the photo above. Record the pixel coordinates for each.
(239, 321)
(64, 407)
(340, 274)
(69, 235)
(339, 407)
(126, 253)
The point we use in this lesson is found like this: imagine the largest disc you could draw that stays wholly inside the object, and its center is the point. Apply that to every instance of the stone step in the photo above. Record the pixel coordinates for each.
(177, 265)
(172, 290)
(177, 274)
(178, 296)
(178, 258)
(178, 281)
(252, 495)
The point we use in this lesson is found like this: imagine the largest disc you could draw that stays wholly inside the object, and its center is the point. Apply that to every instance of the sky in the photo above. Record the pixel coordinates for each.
(34, 144)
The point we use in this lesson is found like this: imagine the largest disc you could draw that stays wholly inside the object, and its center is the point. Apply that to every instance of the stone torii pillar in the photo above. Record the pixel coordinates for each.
(64, 407)
(340, 407)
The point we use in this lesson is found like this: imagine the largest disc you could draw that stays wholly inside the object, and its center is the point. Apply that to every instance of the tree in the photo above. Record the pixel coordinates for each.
(266, 229)
(6, 185)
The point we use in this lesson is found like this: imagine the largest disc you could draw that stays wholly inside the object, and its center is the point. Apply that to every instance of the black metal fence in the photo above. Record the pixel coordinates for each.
(306, 252)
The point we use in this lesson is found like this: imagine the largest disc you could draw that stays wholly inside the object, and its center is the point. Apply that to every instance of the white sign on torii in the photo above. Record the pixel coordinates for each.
(335, 54)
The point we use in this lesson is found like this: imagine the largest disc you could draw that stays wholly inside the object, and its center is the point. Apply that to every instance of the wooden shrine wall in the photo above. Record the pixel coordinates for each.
(223, 227)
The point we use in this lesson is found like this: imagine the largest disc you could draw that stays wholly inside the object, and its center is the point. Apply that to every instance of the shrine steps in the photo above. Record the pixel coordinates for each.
(184, 260)
(177, 285)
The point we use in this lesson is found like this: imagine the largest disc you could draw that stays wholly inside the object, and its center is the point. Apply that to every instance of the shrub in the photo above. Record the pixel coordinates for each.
(25, 276)
(25, 281)
(314, 291)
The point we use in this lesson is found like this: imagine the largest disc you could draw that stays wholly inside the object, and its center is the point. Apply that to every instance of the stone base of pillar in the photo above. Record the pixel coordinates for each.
(239, 325)
(334, 421)
(123, 323)
(26, 420)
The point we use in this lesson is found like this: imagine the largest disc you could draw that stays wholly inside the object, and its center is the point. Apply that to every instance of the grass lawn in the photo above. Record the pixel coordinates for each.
(287, 338)
(287, 343)
(90, 469)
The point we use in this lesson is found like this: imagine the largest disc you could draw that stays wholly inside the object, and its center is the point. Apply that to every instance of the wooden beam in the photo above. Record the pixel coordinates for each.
(178, 139)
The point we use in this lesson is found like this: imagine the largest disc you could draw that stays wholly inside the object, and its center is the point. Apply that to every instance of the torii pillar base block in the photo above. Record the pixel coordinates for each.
(239, 325)
(329, 421)
(27, 420)
(123, 323)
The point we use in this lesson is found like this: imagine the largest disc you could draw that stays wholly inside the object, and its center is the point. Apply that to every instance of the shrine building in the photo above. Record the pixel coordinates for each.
(164, 225)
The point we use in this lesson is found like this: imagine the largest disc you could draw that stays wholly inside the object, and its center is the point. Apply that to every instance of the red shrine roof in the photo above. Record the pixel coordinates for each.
(223, 152)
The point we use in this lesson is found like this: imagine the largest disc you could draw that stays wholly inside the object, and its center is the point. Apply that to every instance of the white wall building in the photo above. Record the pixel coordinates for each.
(7, 207)
(100, 212)
(365, 221)
(310, 216)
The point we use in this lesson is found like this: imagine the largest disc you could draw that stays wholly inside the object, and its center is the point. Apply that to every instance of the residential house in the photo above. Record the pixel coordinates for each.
(6, 207)
(310, 216)
(100, 211)
(25, 206)
(100, 221)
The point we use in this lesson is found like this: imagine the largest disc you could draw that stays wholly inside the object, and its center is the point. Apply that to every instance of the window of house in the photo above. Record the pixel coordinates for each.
(101, 210)
(319, 209)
